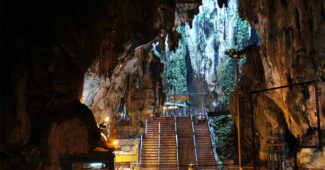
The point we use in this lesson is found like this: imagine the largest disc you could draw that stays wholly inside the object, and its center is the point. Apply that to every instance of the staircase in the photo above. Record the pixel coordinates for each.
(149, 157)
(164, 158)
(205, 154)
(185, 142)
(168, 149)
(160, 151)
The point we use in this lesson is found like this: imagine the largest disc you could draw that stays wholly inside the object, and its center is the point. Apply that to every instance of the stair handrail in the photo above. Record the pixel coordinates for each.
(146, 128)
(176, 136)
(211, 139)
(140, 152)
(194, 140)
(159, 144)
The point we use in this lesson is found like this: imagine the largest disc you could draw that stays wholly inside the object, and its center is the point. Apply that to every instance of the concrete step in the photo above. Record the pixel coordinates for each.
(170, 139)
(149, 162)
(150, 159)
(150, 151)
(150, 138)
(167, 153)
(168, 160)
(148, 145)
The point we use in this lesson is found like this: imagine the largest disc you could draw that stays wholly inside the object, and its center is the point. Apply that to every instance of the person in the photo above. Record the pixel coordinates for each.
(103, 128)
(202, 117)
(199, 118)
(103, 145)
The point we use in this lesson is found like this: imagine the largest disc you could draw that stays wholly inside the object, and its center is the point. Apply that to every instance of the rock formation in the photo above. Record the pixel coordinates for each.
(214, 30)
(207, 69)
(291, 51)
(48, 46)
(135, 84)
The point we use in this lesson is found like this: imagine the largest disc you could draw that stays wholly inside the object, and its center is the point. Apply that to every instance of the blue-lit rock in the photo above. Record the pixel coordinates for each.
(214, 30)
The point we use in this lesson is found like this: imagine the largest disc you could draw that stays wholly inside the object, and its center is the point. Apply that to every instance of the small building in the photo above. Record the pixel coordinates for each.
(126, 154)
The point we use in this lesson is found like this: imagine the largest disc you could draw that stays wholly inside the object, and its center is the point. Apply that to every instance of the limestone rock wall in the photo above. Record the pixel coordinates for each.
(134, 81)
(46, 47)
(291, 51)
(214, 30)
(185, 11)
(72, 132)
(135, 84)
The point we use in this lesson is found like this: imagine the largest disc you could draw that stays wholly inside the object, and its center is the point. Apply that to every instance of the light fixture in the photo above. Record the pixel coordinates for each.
(106, 119)
(235, 54)
(115, 142)
(170, 107)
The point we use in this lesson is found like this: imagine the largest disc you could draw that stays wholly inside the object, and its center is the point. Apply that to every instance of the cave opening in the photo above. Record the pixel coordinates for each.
(197, 77)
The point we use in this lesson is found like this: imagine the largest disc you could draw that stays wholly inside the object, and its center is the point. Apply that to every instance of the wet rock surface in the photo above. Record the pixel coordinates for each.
(291, 51)
(135, 84)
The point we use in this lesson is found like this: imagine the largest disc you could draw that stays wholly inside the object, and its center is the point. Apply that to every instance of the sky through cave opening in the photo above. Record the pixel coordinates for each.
(200, 70)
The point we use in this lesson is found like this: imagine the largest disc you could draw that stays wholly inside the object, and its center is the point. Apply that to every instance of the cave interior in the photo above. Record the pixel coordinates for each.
(162, 84)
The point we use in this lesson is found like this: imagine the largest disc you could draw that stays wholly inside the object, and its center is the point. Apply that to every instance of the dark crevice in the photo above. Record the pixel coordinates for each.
(323, 12)
(287, 38)
(297, 20)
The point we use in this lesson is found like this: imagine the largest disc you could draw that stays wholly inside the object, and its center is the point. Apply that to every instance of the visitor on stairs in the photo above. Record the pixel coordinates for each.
(198, 119)
(201, 118)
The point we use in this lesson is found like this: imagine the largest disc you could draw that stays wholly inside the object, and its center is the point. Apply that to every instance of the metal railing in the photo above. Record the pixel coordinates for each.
(140, 150)
(302, 84)
(176, 136)
(211, 139)
(194, 140)
(159, 144)
(146, 127)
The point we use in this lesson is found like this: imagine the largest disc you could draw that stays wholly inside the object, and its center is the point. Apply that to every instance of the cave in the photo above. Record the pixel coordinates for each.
(162, 84)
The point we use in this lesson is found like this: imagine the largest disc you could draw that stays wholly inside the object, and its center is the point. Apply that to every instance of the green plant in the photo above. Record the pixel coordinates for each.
(223, 126)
